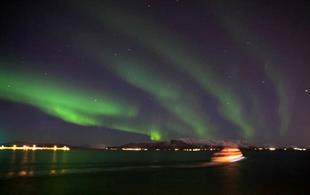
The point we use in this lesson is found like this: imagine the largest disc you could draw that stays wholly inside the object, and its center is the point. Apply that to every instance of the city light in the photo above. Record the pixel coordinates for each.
(132, 149)
(33, 147)
(300, 149)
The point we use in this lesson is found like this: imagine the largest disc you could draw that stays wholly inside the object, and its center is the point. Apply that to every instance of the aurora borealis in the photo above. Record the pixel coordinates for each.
(108, 72)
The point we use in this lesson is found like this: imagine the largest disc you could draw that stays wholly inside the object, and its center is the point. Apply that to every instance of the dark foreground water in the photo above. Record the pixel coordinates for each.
(114, 172)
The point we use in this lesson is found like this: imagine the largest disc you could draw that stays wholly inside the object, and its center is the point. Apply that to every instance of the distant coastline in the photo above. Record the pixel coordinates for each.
(172, 145)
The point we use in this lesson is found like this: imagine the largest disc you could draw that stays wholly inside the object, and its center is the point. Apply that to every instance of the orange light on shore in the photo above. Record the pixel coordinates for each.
(65, 148)
(25, 147)
(33, 147)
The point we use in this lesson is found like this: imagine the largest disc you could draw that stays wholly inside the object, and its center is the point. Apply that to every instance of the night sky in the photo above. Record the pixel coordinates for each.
(100, 72)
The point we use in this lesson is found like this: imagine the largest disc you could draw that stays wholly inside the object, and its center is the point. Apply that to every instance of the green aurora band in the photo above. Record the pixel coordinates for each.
(241, 33)
(165, 92)
(284, 106)
(184, 106)
(168, 46)
(69, 104)
(155, 135)
(77, 106)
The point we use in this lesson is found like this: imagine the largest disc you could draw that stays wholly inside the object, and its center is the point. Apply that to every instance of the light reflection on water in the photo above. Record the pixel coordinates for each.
(36, 163)
(23, 164)
(231, 174)
(155, 172)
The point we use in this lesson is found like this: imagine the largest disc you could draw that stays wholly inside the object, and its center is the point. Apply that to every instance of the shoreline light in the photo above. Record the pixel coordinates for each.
(132, 149)
(34, 147)
(300, 149)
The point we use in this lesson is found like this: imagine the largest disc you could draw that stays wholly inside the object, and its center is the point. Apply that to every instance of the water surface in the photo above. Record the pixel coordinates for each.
(116, 172)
